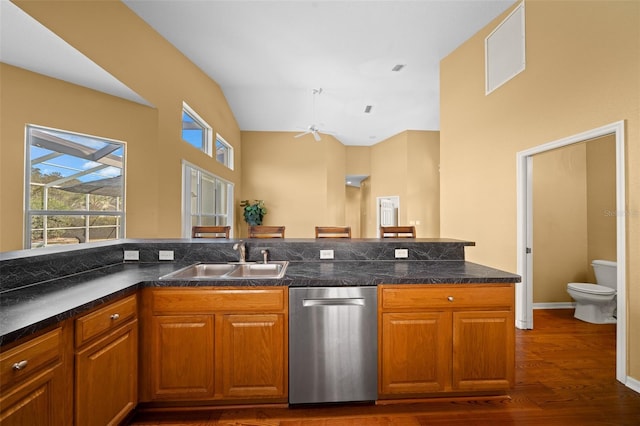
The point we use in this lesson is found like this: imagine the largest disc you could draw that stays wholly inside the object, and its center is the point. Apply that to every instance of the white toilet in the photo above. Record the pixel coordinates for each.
(596, 303)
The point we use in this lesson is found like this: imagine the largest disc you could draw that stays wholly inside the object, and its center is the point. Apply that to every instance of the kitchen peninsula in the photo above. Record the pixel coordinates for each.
(64, 299)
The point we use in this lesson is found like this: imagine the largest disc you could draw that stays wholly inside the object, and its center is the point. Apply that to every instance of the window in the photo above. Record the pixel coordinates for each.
(207, 199)
(224, 152)
(75, 188)
(195, 130)
(198, 133)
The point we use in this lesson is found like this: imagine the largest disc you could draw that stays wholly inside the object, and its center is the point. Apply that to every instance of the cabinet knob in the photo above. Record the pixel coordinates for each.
(450, 298)
(115, 317)
(20, 365)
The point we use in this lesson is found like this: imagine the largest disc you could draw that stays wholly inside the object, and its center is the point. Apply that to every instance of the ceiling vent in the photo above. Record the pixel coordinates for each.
(367, 109)
(398, 67)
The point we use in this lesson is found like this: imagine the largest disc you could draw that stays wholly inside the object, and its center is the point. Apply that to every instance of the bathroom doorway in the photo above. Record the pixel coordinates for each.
(525, 247)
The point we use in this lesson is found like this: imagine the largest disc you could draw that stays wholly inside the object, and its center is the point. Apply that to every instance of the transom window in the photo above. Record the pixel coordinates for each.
(195, 130)
(224, 152)
(198, 133)
(75, 188)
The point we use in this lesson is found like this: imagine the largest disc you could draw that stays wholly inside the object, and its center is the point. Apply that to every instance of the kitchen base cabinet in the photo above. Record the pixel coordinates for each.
(182, 357)
(445, 339)
(214, 344)
(33, 381)
(416, 349)
(106, 379)
(253, 350)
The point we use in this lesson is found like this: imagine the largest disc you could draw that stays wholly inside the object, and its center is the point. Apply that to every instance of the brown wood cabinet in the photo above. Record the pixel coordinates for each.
(215, 344)
(33, 385)
(437, 339)
(106, 368)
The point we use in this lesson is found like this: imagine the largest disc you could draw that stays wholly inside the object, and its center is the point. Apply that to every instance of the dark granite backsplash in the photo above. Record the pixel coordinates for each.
(37, 266)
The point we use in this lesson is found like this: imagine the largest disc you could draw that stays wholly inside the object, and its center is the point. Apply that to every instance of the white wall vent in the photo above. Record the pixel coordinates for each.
(504, 50)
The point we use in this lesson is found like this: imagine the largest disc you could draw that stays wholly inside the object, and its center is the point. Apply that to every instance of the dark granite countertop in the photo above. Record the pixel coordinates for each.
(29, 309)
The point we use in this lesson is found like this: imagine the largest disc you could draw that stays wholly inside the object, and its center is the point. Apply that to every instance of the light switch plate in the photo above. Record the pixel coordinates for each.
(402, 253)
(131, 255)
(326, 254)
(165, 255)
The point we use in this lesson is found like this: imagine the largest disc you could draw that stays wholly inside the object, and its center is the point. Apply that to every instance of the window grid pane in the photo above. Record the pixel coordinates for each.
(70, 176)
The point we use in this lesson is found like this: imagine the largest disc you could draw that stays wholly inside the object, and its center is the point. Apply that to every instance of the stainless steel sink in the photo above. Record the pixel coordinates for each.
(259, 270)
(229, 271)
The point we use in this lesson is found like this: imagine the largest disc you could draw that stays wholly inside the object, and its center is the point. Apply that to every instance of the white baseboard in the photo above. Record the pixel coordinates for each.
(633, 384)
(555, 305)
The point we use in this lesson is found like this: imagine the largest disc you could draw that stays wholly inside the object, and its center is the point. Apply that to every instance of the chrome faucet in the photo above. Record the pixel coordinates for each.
(242, 249)
(265, 255)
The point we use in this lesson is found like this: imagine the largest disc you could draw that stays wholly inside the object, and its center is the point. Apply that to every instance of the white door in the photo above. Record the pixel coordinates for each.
(387, 212)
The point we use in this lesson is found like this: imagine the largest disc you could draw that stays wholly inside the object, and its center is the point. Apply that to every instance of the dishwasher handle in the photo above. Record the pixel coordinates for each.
(338, 301)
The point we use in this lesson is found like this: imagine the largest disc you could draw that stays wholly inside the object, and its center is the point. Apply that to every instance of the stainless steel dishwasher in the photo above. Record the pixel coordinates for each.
(333, 348)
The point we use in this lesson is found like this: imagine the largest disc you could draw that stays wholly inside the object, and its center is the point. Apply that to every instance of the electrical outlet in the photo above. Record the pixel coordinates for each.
(402, 253)
(326, 254)
(131, 255)
(165, 255)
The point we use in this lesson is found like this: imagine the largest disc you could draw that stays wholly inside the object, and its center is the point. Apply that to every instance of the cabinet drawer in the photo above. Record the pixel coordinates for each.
(105, 319)
(198, 300)
(29, 357)
(447, 296)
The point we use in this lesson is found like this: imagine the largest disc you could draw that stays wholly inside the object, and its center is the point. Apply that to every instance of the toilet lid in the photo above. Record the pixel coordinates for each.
(591, 288)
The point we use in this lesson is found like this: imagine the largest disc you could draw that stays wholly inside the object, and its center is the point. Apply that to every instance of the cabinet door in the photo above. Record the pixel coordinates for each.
(415, 355)
(37, 401)
(182, 357)
(106, 378)
(252, 352)
(483, 350)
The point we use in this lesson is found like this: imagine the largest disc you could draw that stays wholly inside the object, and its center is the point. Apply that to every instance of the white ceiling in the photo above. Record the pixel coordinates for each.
(268, 56)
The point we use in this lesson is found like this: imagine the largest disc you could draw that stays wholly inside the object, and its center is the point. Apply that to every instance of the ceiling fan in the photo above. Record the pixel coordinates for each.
(313, 129)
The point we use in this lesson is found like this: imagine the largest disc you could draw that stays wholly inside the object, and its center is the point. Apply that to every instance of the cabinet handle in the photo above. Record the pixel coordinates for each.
(20, 365)
(115, 317)
(450, 298)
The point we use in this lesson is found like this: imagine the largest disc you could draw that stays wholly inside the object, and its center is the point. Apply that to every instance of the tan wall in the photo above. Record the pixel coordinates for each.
(39, 100)
(423, 185)
(601, 201)
(407, 165)
(560, 222)
(359, 160)
(149, 65)
(582, 72)
(300, 180)
(352, 210)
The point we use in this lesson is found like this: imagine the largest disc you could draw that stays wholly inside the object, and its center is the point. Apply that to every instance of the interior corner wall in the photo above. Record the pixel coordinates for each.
(582, 67)
(406, 165)
(423, 185)
(300, 180)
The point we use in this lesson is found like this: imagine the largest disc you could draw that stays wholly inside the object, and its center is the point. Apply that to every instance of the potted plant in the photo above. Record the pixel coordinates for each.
(253, 212)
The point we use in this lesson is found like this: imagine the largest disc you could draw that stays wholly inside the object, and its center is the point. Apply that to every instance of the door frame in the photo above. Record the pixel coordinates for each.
(524, 245)
(396, 202)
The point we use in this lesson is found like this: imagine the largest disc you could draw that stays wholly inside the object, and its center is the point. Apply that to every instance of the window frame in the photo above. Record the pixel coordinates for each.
(207, 130)
(187, 214)
(29, 212)
(228, 157)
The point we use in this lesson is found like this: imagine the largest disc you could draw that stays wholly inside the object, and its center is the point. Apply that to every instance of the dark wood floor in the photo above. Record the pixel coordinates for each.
(565, 375)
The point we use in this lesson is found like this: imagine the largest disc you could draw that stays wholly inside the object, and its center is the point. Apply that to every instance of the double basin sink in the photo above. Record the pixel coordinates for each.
(229, 271)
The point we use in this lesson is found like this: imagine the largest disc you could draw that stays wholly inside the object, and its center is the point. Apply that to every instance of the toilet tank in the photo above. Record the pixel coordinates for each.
(606, 273)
